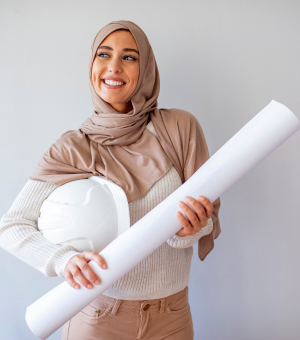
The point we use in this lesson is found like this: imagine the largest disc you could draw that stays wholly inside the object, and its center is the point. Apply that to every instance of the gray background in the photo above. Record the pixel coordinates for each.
(223, 61)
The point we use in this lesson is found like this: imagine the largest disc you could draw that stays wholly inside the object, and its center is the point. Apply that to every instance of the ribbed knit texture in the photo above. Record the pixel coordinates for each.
(19, 233)
(164, 272)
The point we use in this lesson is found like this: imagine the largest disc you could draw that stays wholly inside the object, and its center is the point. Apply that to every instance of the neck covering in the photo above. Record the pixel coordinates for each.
(118, 145)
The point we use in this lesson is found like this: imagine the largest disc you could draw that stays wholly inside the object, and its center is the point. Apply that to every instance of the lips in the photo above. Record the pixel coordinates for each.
(113, 86)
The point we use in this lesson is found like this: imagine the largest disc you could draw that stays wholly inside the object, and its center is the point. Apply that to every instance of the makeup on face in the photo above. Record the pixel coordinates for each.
(116, 67)
(115, 82)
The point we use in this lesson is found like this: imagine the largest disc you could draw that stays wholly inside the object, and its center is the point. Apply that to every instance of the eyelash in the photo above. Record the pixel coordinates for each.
(124, 56)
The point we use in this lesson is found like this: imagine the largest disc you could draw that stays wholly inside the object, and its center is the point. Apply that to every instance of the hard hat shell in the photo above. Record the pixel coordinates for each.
(87, 214)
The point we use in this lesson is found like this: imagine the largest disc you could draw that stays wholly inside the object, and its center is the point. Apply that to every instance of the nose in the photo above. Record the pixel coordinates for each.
(114, 66)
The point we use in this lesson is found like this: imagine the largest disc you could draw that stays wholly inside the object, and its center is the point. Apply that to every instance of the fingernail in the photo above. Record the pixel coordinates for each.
(77, 287)
(89, 286)
(104, 266)
(97, 282)
(188, 198)
(201, 198)
(181, 204)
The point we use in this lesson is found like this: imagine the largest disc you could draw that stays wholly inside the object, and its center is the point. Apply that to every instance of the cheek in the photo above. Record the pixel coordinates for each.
(135, 75)
(96, 73)
(93, 78)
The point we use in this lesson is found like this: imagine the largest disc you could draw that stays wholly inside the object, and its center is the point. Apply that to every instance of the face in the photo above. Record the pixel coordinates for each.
(115, 70)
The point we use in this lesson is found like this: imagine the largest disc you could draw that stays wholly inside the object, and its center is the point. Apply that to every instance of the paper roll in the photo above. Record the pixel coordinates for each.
(255, 141)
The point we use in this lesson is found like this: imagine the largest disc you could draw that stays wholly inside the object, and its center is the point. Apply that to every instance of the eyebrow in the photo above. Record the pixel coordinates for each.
(124, 49)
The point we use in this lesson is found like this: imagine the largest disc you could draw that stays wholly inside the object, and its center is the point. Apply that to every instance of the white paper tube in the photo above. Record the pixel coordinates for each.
(255, 141)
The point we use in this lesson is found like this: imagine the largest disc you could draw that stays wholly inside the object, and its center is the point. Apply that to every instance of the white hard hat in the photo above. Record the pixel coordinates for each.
(87, 214)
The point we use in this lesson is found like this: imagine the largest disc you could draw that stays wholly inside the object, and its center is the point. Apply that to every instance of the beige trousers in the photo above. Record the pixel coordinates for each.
(106, 318)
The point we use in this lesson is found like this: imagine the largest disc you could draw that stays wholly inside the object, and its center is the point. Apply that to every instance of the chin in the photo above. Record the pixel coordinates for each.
(111, 100)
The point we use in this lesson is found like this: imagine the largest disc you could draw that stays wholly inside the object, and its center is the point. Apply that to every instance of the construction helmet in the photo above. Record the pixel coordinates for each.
(87, 214)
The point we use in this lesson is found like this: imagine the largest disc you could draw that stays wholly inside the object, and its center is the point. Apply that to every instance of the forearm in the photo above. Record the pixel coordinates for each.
(19, 233)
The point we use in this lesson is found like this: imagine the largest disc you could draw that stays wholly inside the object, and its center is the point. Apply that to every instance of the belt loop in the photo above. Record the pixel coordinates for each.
(162, 306)
(116, 307)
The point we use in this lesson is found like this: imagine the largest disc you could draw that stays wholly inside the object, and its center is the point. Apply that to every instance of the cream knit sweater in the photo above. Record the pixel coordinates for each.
(164, 272)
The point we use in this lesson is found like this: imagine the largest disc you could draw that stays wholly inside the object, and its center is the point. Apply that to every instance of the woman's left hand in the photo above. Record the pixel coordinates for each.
(196, 221)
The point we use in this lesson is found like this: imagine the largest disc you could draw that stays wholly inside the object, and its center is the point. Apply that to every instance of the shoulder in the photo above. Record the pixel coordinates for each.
(72, 136)
(182, 125)
(179, 121)
(68, 143)
(178, 115)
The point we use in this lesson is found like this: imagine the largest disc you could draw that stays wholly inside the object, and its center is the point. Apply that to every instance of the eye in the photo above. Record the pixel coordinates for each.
(129, 56)
(100, 54)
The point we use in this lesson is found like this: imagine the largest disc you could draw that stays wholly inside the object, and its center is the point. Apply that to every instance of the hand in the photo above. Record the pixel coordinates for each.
(196, 221)
(78, 264)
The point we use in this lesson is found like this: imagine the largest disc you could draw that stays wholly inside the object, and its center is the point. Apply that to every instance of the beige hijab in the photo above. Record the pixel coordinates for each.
(118, 145)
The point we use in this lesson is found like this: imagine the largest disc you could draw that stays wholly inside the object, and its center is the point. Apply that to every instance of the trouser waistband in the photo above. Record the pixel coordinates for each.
(154, 304)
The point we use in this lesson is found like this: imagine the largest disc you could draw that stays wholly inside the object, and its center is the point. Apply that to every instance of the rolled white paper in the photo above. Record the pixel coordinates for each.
(251, 144)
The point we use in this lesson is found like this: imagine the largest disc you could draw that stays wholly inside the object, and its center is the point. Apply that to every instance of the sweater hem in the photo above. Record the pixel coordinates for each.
(128, 295)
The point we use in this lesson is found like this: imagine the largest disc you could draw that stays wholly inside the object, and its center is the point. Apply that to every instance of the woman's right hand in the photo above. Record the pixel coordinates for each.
(78, 264)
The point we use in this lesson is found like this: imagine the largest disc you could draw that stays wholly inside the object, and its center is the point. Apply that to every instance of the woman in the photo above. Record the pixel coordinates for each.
(149, 152)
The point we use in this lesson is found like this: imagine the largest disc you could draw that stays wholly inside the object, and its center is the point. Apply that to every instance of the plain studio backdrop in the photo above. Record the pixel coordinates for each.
(223, 61)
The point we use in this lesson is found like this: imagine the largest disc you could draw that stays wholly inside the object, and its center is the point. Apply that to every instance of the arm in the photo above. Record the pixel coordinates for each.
(189, 240)
(19, 233)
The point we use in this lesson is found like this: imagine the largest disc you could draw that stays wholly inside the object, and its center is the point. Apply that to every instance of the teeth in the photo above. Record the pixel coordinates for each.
(111, 82)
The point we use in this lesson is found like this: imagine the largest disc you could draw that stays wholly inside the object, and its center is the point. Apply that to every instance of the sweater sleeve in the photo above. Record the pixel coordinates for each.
(188, 241)
(19, 234)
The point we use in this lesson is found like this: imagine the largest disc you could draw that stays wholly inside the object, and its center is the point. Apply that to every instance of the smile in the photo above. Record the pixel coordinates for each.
(112, 84)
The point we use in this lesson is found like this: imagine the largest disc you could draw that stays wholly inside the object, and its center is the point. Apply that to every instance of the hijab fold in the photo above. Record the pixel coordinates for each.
(118, 145)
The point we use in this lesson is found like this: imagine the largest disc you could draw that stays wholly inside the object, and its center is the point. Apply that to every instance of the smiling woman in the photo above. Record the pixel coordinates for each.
(116, 67)
(147, 151)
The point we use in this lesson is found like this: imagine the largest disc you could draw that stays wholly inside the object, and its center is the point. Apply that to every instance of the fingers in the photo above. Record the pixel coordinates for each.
(187, 229)
(194, 223)
(197, 218)
(207, 205)
(73, 273)
(95, 257)
(78, 269)
(71, 282)
(89, 277)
